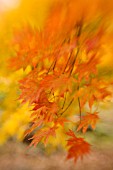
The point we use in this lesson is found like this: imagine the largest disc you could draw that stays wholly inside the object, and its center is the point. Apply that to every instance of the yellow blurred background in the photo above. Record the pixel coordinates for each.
(13, 13)
(14, 118)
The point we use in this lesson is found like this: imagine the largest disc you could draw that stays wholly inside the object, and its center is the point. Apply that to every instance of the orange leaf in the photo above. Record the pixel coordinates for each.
(43, 134)
(77, 146)
(90, 119)
(61, 121)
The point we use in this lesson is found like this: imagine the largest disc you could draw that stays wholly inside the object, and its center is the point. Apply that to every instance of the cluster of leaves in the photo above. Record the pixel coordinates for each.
(64, 57)
(13, 118)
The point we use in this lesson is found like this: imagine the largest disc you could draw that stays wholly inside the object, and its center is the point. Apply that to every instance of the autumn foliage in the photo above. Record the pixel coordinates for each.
(65, 58)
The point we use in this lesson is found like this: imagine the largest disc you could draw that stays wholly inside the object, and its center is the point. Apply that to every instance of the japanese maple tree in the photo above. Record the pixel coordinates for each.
(64, 58)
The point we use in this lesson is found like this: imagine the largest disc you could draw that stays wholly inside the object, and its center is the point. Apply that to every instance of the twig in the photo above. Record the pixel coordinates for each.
(80, 111)
(67, 106)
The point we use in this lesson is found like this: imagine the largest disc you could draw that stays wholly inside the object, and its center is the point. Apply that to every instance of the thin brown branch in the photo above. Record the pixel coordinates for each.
(78, 48)
(64, 101)
(79, 104)
(52, 66)
(67, 107)
(74, 61)
(68, 61)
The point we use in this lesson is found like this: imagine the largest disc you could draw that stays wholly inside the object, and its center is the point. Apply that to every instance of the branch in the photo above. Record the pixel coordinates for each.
(80, 111)
(67, 106)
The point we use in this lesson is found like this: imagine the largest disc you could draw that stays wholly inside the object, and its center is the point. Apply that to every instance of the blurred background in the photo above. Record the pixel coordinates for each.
(14, 119)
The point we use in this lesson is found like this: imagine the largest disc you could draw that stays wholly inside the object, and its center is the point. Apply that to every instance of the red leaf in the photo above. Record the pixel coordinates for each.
(77, 147)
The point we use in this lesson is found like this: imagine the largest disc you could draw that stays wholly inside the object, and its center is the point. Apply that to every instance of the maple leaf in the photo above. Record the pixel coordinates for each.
(43, 134)
(77, 146)
(90, 119)
(57, 82)
(94, 43)
(45, 113)
(95, 91)
(84, 70)
(61, 121)
(29, 87)
(26, 48)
